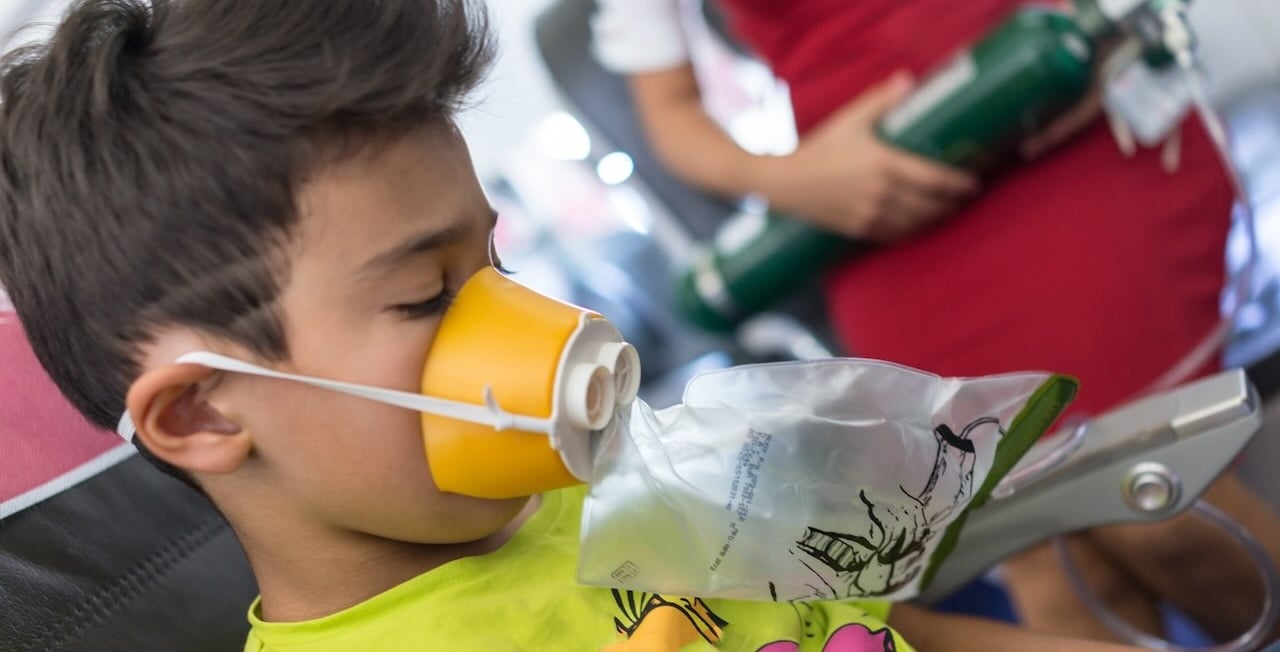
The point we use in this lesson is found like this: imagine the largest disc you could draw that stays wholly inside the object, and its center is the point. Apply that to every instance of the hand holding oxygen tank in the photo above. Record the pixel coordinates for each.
(846, 179)
(1018, 91)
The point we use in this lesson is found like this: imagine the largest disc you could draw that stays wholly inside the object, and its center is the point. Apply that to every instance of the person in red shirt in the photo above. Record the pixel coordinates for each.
(1082, 261)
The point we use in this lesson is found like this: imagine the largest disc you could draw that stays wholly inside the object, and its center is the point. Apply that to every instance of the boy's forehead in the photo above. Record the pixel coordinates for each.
(382, 196)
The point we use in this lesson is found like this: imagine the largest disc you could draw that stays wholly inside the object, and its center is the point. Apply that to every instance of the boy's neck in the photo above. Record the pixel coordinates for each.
(308, 575)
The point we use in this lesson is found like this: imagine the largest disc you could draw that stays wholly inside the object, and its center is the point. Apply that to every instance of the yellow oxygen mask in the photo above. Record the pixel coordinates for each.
(533, 356)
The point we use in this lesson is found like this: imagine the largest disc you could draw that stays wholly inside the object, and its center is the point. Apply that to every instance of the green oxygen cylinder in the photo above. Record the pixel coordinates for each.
(971, 113)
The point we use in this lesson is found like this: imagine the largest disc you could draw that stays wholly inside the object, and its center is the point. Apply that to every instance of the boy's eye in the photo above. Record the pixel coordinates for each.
(433, 307)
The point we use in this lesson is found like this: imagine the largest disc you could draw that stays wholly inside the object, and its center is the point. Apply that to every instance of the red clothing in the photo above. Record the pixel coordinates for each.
(1084, 262)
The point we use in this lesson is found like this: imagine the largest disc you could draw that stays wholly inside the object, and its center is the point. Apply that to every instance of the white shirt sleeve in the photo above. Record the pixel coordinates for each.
(633, 36)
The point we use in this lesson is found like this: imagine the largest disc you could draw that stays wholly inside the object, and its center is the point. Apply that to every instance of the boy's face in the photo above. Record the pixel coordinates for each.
(382, 242)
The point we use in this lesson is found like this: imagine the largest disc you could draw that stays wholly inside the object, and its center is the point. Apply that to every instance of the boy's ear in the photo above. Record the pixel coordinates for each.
(177, 423)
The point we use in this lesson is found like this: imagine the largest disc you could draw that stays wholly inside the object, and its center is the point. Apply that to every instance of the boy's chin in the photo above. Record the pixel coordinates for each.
(483, 518)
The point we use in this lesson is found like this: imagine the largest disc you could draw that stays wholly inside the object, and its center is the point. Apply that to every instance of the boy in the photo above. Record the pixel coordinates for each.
(281, 182)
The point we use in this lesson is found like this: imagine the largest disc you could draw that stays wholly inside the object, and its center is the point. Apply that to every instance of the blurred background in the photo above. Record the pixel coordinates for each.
(547, 139)
(546, 136)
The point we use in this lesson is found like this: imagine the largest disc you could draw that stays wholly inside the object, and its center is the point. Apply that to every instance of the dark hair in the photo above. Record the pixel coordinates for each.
(151, 151)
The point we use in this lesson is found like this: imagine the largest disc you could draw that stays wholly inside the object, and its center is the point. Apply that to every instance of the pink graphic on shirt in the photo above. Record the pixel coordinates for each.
(850, 638)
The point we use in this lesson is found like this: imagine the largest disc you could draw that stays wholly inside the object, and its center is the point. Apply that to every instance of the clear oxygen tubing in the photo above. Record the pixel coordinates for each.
(1250, 640)
(1179, 41)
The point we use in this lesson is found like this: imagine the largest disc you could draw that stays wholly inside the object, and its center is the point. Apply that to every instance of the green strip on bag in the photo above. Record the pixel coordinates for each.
(1042, 409)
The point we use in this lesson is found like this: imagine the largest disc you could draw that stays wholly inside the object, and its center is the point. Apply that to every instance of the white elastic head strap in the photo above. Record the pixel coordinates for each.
(488, 414)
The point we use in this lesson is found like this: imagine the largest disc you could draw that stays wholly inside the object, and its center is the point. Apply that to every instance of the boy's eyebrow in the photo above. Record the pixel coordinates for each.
(424, 242)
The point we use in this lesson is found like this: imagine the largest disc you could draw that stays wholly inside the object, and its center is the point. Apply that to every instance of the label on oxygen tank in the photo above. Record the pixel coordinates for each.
(1151, 103)
(932, 92)
(739, 231)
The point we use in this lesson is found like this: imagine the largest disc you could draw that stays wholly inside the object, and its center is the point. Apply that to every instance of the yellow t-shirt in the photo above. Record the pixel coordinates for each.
(524, 597)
